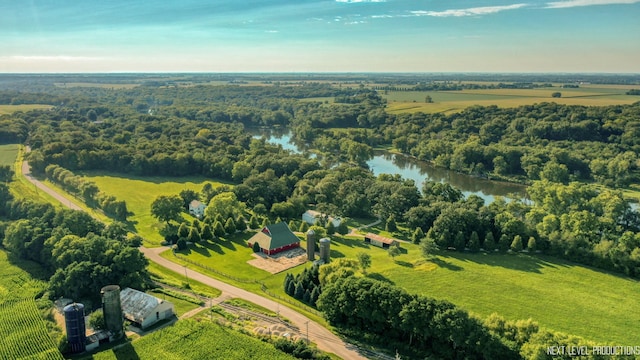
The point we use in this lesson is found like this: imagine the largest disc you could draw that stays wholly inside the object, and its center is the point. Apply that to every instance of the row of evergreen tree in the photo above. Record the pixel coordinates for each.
(304, 286)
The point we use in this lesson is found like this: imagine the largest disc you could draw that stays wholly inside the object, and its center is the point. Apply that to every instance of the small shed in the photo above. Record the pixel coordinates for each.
(275, 238)
(196, 208)
(380, 241)
(143, 309)
(311, 217)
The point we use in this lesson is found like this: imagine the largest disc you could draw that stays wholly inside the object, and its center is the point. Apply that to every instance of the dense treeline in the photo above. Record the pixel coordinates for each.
(542, 141)
(79, 255)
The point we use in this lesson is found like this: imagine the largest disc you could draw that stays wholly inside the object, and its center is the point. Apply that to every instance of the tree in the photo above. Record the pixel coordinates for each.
(116, 230)
(181, 244)
(207, 233)
(331, 229)
(516, 244)
(183, 231)
(166, 208)
(489, 242)
(187, 196)
(391, 224)
(365, 261)
(241, 224)
(531, 244)
(556, 94)
(459, 242)
(218, 229)
(504, 242)
(256, 247)
(253, 222)
(394, 251)
(225, 204)
(428, 99)
(96, 320)
(342, 229)
(428, 247)
(230, 226)
(417, 236)
(304, 226)
(474, 242)
(194, 235)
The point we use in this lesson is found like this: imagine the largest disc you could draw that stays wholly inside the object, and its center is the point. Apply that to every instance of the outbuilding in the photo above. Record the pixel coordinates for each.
(143, 309)
(196, 208)
(311, 217)
(380, 241)
(275, 238)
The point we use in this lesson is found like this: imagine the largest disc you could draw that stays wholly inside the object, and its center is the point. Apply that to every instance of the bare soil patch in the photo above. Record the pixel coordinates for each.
(279, 262)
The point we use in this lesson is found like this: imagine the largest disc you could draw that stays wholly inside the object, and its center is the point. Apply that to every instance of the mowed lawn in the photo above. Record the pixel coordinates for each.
(455, 101)
(140, 192)
(8, 154)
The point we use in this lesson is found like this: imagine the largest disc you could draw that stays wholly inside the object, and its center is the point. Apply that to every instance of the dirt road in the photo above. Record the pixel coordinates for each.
(324, 339)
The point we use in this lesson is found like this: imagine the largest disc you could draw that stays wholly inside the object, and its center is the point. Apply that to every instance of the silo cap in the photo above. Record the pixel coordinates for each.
(311, 232)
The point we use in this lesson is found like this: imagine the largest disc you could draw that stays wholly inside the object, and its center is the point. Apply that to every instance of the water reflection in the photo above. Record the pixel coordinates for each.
(410, 168)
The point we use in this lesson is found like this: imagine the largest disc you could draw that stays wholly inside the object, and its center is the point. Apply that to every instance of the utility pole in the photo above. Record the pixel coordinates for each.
(186, 276)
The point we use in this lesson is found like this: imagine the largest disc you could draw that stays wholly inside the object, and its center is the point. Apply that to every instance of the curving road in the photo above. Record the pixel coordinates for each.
(324, 339)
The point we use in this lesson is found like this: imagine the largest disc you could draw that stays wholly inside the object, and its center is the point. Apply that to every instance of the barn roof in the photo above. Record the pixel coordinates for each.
(382, 239)
(274, 236)
(136, 305)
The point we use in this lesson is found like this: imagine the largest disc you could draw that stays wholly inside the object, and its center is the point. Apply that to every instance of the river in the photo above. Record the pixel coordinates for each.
(384, 162)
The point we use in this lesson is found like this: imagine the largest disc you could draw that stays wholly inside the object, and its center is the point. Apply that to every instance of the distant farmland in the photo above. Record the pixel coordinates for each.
(454, 101)
(10, 109)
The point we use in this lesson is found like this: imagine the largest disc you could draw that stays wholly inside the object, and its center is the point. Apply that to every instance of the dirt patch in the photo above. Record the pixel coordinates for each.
(277, 330)
(279, 262)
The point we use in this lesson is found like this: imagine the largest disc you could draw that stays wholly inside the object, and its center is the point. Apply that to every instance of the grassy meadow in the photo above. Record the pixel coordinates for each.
(8, 154)
(140, 192)
(10, 109)
(455, 101)
(191, 339)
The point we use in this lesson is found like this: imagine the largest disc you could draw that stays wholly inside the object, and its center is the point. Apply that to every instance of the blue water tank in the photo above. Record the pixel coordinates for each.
(76, 330)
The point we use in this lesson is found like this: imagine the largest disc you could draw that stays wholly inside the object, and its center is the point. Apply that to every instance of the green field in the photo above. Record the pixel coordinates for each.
(454, 101)
(8, 154)
(166, 276)
(190, 339)
(559, 295)
(140, 192)
(10, 109)
(23, 330)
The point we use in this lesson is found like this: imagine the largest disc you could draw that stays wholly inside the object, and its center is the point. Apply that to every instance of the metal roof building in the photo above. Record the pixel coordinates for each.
(275, 238)
(143, 309)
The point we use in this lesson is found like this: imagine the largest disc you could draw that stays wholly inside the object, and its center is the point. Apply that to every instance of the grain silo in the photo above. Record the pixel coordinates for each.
(311, 245)
(76, 330)
(325, 250)
(112, 309)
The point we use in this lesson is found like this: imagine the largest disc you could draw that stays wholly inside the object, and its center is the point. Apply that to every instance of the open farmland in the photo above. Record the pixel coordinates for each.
(10, 109)
(23, 331)
(139, 193)
(558, 294)
(190, 339)
(8, 154)
(455, 101)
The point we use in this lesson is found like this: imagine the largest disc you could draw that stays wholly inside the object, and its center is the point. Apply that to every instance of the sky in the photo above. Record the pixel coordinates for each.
(596, 36)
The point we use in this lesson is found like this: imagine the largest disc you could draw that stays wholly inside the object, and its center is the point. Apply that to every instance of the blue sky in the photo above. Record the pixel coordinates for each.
(320, 35)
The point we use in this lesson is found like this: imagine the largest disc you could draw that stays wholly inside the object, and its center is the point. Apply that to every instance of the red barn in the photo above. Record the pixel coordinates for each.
(275, 238)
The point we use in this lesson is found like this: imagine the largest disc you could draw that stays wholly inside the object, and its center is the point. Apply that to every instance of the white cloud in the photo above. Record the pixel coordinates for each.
(575, 3)
(477, 11)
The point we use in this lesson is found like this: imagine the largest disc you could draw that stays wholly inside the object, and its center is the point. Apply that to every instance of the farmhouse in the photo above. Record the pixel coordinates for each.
(143, 309)
(275, 238)
(380, 241)
(312, 216)
(196, 208)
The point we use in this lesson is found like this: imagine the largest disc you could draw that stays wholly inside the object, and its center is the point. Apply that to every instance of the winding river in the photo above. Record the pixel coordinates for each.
(384, 162)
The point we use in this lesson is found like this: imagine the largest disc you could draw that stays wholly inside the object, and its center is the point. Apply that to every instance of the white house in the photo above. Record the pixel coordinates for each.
(196, 208)
(312, 216)
(143, 309)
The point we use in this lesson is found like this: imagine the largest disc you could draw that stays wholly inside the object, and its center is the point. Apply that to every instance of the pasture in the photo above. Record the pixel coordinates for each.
(8, 154)
(455, 101)
(191, 339)
(559, 295)
(140, 192)
(10, 109)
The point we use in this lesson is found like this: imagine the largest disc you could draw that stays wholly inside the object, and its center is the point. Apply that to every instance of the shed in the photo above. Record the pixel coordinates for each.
(380, 241)
(275, 238)
(311, 217)
(144, 309)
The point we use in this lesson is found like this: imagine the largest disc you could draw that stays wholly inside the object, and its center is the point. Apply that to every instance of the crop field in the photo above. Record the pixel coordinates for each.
(557, 294)
(10, 109)
(96, 85)
(454, 101)
(8, 154)
(24, 332)
(140, 192)
(189, 339)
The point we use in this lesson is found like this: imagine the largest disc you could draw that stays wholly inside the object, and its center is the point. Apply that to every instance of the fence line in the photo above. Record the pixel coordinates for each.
(263, 286)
